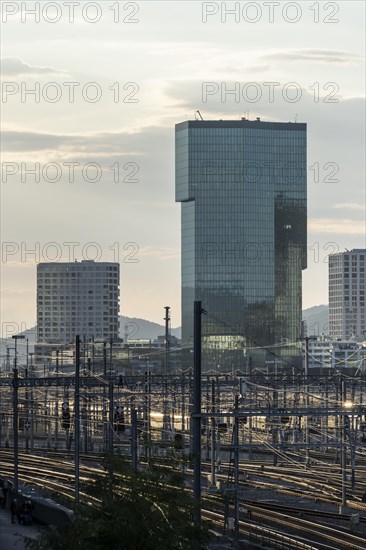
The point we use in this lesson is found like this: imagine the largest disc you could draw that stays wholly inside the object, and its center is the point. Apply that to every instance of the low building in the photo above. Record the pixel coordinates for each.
(326, 353)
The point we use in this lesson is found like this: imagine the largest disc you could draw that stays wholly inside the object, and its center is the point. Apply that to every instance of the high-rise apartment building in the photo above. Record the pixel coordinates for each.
(242, 188)
(347, 281)
(77, 298)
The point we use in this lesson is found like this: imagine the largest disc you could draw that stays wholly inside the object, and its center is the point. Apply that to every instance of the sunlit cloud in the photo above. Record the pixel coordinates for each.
(160, 253)
(314, 55)
(14, 66)
(338, 226)
(350, 206)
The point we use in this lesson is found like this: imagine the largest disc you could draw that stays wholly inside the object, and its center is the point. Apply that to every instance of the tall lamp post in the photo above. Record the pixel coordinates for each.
(16, 337)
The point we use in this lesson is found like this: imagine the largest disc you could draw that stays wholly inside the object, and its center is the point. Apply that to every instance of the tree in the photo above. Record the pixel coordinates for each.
(134, 510)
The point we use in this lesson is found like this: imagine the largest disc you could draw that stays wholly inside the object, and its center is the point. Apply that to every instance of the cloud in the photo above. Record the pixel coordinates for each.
(258, 68)
(14, 66)
(350, 206)
(337, 226)
(161, 253)
(150, 182)
(321, 56)
(30, 141)
(216, 97)
(89, 144)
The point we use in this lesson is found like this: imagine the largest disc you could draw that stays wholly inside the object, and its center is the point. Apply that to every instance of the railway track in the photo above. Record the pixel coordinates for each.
(302, 511)
(322, 533)
(276, 525)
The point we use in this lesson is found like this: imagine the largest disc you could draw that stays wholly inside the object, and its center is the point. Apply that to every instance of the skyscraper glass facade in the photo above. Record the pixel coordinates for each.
(242, 185)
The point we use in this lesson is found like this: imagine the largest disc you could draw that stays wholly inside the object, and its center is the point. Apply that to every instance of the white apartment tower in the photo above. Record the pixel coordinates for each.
(77, 298)
(347, 280)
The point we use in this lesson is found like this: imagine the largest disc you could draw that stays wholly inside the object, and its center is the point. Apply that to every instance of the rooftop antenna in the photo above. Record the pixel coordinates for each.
(199, 114)
(296, 117)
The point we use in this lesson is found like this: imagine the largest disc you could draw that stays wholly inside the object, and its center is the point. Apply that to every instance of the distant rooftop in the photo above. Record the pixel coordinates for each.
(242, 123)
(353, 251)
(88, 262)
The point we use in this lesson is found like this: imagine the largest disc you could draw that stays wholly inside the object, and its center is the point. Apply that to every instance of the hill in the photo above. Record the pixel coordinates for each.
(142, 328)
(316, 318)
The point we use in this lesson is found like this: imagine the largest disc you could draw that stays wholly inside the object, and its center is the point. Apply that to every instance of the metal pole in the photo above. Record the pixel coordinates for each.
(183, 420)
(93, 353)
(352, 444)
(274, 426)
(167, 320)
(326, 417)
(27, 424)
(213, 436)
(15, 422)
(166, 417)
(56, 404)
(77, 416)
(104, 409)
(105, 358)
(337, 423)
(344, 462)
(206, 421)
(149, 414)
(134, 438)
(110, 432)
(343, 444)
(307, 438)
(15, 413)
(31, 405)
(236, 468)
(84, 424)
(196, 416)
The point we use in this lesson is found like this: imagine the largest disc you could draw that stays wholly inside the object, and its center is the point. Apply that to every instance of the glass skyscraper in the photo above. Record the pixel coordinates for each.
(242, 186)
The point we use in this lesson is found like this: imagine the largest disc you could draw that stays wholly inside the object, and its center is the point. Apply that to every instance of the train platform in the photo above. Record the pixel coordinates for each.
(12, 534)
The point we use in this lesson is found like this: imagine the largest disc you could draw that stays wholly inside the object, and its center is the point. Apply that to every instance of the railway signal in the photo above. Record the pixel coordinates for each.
(119, 419)
(65, 422)
(242, 386)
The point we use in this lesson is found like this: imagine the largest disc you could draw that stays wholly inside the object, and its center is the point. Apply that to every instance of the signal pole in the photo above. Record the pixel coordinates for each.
(306, 389)
(110, 355)
(27, 423)
(110, 431)
(166, 417)
(56, 404)
(196, 415)
(104, 409)
(213, 436)
(16, 337)
(77, 416)
(236, 468)
(134, 444)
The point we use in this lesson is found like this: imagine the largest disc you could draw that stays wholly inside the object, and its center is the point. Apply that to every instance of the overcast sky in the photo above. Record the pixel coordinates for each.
(148, 71)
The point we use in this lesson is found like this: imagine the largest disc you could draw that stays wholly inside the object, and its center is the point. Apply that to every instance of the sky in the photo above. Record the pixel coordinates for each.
(91, 92)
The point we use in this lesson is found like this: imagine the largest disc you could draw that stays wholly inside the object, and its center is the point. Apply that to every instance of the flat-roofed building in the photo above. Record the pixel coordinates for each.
(77, 298)
(347, 281)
